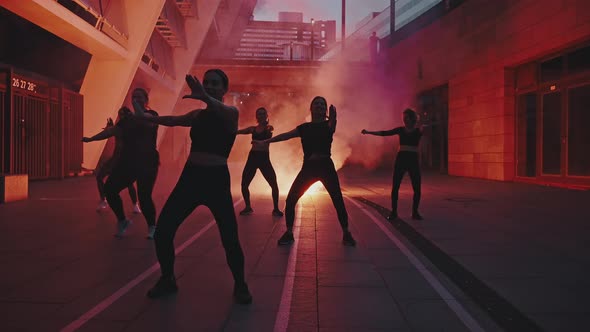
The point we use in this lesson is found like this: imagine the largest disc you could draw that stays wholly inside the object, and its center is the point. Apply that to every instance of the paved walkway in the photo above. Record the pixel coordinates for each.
(64, 269)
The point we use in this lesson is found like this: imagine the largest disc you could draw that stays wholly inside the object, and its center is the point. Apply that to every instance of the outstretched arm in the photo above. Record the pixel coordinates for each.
(279, 138)
(106, 133)
(381, 133)
(284, 136)
(173, 120)
(245, 131)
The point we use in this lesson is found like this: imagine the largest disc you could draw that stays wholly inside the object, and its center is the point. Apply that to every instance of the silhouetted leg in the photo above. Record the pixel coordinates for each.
(132, 194)
(416, 178)
(221, 205)
(302, 182)
(101, 172)
(121, 177)
(247, 176)
(332, 184)
(145, 187)
(180, 204)
(271, 177)
(398, 173)
(100, 184)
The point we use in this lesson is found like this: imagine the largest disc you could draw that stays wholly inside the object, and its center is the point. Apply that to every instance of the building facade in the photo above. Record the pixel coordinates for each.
(290, 39)
(78, 60)
(508, 84)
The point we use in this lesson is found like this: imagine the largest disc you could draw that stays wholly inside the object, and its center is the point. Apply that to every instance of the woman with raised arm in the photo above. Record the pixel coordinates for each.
(316, 139)
(138, 161)
(104, 168)
(406, 160)
(259, 158)
(205, 180)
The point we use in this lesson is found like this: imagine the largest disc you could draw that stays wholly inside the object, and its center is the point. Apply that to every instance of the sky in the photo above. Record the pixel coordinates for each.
(356, 10)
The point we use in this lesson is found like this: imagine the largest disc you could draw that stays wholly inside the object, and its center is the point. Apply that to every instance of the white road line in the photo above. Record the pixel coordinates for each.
(282, 321)
(457, 308)
(104, 304)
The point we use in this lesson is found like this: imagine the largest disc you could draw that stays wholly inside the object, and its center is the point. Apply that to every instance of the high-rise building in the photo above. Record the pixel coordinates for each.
(290, 17)
(288, 39)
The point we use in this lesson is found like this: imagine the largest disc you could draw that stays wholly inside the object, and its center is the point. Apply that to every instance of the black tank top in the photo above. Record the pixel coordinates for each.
(316, 138)
(411, 138)
(209, 134)
(137, 143)
(265, 134)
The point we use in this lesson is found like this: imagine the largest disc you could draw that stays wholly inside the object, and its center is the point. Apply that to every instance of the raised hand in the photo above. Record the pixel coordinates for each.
(110, 123)
(197, 90)
(332, 112)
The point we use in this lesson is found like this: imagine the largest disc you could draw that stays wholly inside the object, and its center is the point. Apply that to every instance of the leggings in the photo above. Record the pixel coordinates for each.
(200, 185)
(322, 170)
(259, 160)
(105, 170)
(406, 161)
(123, 175)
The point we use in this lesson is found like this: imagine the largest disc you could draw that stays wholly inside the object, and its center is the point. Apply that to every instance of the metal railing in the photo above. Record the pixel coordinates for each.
(96, 19)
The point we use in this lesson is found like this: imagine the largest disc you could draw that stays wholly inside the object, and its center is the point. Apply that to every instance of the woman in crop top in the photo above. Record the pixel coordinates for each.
(259, 158)
(205, 181)
(316, 139)
(406, 160)
(138, 161)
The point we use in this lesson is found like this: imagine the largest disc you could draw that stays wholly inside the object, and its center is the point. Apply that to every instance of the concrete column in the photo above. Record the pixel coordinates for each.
(164, 100)
(107, 81)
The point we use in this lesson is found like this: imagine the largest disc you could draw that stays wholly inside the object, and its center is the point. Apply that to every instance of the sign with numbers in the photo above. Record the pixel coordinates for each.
(24, 84)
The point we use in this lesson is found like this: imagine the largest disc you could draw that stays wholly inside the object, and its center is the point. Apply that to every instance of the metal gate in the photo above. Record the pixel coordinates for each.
(72, 115)
(41, 126)
(2, 132)
(31, 146)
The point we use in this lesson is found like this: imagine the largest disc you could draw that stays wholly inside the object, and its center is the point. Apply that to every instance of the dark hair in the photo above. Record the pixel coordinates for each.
(411, 113)
(221, 73)
(317, 97)
(123, 112)
(265, 111)
(144, 91)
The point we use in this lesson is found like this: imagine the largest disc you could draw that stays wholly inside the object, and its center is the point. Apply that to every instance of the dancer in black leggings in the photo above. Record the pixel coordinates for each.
(406, 160)
(105, 168)
(138, 162)
(259, 158)
(205, 181)
(316, 139)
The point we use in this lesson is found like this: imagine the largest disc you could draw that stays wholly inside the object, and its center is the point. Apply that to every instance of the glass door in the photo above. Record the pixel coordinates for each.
(551, 134)
(578, 133)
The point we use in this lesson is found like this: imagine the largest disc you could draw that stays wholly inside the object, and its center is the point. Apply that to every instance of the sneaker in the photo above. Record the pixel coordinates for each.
(122, 227)
(392, 216)
(416, 216)
(151, 231)
(164, 286)
(242, 294)
(102, 205)
(287, 238)
(136, 209)
(348, 240)
(246, 211)
(277, 213)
